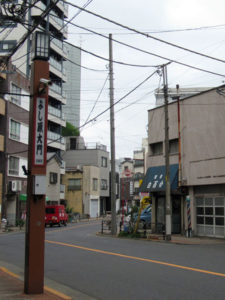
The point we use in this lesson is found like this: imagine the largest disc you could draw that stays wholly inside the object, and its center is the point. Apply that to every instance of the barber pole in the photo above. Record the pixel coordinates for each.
(188, 215)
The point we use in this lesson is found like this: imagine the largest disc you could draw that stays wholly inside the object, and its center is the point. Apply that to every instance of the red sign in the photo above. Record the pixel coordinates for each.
(127, 173)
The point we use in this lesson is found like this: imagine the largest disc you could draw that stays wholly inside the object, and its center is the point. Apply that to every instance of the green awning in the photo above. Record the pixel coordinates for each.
(23, 197)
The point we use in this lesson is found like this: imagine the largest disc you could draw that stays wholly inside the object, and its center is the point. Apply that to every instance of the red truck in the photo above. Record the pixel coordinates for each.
(55, 215)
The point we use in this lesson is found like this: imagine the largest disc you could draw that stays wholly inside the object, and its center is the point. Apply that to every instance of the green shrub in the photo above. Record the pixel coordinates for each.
(20, 223)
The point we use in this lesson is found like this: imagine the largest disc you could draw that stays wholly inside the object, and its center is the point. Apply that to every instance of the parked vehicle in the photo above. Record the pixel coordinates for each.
(55, 215)
(146, 216)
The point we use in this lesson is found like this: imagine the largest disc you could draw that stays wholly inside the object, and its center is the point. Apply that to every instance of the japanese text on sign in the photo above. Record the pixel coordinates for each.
(40, 131)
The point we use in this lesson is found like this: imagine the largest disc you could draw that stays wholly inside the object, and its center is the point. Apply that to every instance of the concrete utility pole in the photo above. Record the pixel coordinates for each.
(112, 136)
(167, 162)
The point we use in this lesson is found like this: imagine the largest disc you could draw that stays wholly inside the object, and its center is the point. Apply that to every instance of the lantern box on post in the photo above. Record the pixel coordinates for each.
(40, 46)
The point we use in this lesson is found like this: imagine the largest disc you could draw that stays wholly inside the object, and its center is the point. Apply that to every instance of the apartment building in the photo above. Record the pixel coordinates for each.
(14, 142)
(72, 86)
(2, 142)
(11, 34)
(93, 160)
(198, 179)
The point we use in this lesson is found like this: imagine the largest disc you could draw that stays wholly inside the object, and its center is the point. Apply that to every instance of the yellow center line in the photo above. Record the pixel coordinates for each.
(137, 258)
(67, 228)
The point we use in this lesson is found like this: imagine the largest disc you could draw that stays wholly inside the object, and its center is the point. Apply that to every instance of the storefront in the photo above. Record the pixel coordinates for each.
(155, 184)
(209, 209)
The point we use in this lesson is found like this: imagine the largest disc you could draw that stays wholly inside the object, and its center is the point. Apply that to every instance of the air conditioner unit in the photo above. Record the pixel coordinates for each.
(79, 167)
(19, 185)
(13, 186)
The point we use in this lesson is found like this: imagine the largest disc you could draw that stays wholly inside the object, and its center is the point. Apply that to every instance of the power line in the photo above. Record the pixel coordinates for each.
(157, 31)
(145, 34)
(146, 52)
(97, 98)
(131, 91)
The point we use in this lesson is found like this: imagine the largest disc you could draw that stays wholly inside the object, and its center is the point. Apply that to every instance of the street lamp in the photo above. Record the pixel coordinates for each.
(37, 149)
(41, 45)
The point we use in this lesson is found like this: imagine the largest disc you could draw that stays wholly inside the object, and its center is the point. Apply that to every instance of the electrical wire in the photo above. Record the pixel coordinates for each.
(146, 52)
(158, 31)
(99, 95)
(126, 95)
(145, 34)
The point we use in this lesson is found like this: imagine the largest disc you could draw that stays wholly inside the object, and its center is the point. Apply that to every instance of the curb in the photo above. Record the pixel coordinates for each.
(51, 291)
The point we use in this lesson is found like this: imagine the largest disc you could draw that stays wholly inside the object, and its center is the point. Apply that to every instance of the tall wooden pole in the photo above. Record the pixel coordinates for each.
(167, 162)
(112, 138)
(35, 223)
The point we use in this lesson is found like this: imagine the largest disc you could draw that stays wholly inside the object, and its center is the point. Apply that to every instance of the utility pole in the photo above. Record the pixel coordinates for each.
(167, 162)
(112, 136)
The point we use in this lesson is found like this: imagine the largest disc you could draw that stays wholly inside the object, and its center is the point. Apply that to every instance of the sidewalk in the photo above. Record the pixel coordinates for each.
(183, 240)
(12, 287)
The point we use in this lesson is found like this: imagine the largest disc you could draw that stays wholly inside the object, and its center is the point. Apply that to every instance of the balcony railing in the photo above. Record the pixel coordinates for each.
(62, 188)
(96, 146)
(56, 88)
(56, 64)
(56, 18)
(74, 187)
(56, 112)
(55, 137)
(58, 43)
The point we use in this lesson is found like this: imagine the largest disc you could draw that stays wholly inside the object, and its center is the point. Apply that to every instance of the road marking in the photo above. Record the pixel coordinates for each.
(137, 258)
(68, 228)
(8, 272)
(56, 293)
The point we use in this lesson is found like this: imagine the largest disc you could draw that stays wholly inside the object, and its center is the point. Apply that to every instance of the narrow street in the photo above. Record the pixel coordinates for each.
(113, 268)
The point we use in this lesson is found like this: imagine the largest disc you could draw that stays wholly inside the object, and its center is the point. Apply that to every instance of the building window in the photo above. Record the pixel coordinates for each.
(53, 178)
(13, 165)
(104, 184)
(74, 184)
(156, 148)
(138, 163)
(210, 211)
(17, 97)
(173, 146)
(95, 184)
(5, 46)
(104, 162)
(73, 144)
(14, 130)
(8, 24)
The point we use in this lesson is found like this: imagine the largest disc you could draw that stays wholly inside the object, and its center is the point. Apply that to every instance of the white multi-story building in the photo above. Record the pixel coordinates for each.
(10, 36)
(72, 86)
(11, 33)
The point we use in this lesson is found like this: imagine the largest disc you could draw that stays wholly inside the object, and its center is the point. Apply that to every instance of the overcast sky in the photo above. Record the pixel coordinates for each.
(194, 24)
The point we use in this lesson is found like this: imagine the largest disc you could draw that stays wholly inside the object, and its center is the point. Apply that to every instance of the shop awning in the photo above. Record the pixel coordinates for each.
(155, 179)
(23, 197)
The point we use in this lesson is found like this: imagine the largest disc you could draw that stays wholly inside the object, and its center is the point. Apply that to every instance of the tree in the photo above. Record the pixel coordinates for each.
(70, 130)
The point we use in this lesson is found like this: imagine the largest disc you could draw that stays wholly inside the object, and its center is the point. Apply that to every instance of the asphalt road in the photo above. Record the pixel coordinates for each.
(110, 268)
